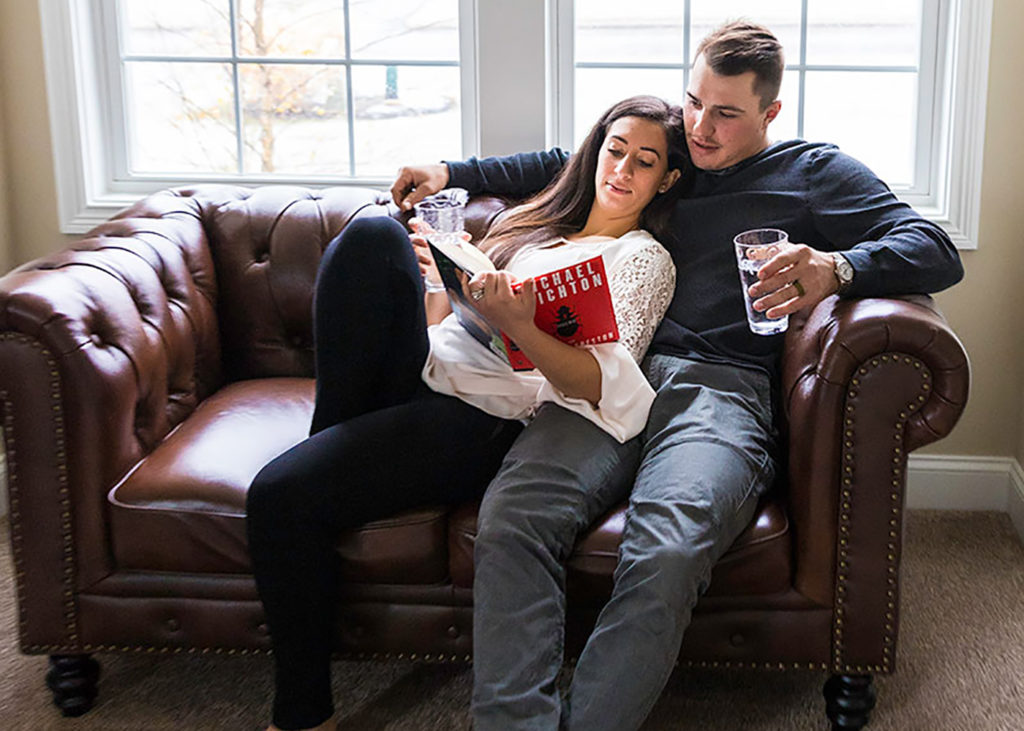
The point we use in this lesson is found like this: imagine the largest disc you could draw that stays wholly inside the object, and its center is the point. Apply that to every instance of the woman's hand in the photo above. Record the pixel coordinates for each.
(424, 257)
(503, 301)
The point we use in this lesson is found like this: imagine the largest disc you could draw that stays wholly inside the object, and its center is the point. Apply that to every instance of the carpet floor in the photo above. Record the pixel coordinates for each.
(960, 664)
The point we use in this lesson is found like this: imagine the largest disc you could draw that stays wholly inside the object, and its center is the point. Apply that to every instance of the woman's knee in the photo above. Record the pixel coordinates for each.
(272, 496)
(372, 237)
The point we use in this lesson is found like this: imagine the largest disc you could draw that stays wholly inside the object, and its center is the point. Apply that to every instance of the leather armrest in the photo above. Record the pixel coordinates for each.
(104, 348)
(864, 382)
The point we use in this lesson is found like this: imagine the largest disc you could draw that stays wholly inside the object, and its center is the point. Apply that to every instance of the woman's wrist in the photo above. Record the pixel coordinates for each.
(432, 286)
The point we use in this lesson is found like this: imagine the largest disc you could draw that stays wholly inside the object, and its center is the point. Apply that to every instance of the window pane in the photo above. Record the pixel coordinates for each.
(866, 32)
(407, 30)
(181, 117)
(613, 31)
(180, 28)
(781, 16)
(291, 28)
(880, 133)
(598, 89)
(295, 119)
(784, 126)
(405, 113)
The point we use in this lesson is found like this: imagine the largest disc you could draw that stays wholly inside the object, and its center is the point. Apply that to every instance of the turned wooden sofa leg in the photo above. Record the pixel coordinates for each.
(72, 679)
(848, 701)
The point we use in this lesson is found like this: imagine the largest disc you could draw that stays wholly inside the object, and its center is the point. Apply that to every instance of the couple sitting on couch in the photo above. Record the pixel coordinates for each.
(676, 416)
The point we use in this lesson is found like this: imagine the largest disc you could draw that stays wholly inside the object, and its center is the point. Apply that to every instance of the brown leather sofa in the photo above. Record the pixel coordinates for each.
(148, 371)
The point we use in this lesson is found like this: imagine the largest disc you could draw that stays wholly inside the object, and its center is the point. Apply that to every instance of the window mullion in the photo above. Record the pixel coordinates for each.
(109, 57)
(237, 88)
(929, 101)
(802, 73)
(468, 78)
(687, 51)
(349, 95)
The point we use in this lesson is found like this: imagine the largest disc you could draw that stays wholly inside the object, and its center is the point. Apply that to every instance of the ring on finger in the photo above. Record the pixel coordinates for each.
(477, 294)
(800, 292)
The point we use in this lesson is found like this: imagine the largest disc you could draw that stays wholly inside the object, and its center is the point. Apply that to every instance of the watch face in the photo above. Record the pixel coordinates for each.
(843, 269)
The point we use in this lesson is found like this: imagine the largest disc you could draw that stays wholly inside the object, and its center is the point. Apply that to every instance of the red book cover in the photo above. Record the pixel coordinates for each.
(574, 304)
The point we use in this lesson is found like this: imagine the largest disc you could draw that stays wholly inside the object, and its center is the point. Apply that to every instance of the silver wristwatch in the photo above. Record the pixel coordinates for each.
(843, 271)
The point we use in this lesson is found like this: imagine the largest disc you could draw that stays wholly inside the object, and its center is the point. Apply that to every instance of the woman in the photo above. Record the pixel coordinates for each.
(386, 383)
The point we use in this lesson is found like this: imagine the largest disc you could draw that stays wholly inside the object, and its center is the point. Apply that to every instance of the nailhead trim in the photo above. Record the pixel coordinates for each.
(896, 496)
(779, 666)
(432, 658)
(67, 538)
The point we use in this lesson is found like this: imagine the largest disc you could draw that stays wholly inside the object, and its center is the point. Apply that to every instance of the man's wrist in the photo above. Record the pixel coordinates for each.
(843, 272)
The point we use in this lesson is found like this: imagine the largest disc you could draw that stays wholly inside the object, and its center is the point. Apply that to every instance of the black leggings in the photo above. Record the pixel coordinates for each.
(381, 442)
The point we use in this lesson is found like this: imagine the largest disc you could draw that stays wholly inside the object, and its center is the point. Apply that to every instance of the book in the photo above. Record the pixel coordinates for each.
(574, 303)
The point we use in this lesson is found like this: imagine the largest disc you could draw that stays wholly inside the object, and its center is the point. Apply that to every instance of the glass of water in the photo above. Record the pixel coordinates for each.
(442, 217)
(753, 249)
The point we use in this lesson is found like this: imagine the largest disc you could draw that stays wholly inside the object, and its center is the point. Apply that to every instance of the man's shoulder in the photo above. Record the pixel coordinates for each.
(817, 164)
(801, 151)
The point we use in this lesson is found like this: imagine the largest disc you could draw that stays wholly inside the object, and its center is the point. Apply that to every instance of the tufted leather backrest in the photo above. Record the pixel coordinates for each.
(266, 245)
(185, 291)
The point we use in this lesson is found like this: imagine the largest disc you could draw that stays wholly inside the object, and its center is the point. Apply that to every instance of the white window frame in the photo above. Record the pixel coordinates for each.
(516, 89)
(950, 138)
(87, 115)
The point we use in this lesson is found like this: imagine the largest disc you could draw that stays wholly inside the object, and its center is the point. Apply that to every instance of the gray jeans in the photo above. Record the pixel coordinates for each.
(693, 478)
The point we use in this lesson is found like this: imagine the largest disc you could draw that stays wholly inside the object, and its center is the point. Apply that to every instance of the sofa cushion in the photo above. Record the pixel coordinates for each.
(182, 508)
(758, 563)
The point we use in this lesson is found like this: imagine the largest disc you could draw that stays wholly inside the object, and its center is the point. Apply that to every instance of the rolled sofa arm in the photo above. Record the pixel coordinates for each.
(104, 348)
(864, 382)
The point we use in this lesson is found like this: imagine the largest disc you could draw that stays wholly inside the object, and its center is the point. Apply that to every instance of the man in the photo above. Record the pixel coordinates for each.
(709, 450)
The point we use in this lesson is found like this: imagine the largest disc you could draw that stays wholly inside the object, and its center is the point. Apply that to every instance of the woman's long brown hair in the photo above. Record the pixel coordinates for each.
(562, 208)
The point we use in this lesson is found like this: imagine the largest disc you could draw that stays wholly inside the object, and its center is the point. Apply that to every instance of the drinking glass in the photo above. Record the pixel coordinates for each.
(442, 217)
(753, 249)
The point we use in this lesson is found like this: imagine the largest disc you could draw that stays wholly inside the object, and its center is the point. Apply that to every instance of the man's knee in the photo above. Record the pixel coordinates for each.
(515, 518)
(665, 581)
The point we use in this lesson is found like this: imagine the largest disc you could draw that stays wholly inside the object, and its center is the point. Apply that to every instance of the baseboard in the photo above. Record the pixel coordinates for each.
(958, 482)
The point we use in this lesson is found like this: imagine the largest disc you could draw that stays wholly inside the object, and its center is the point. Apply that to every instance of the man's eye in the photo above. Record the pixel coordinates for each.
(729, 115)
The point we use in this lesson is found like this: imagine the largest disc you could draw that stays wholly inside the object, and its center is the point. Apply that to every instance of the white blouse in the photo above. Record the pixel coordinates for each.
(642, 279)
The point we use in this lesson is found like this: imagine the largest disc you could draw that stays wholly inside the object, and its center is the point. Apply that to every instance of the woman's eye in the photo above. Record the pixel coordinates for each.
(615, 153)
(645, 164)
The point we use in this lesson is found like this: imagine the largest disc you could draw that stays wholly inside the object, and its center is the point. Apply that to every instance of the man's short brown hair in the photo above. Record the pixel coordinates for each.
(741, 46)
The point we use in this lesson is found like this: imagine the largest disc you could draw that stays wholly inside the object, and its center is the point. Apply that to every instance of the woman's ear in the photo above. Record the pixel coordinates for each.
(669, 180)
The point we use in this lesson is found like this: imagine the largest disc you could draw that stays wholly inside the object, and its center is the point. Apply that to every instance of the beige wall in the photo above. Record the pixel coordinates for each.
(32, 196)
(984, 309)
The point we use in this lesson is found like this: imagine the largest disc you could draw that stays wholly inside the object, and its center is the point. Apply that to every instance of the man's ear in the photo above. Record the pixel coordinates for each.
(669, 180)
(771, 112)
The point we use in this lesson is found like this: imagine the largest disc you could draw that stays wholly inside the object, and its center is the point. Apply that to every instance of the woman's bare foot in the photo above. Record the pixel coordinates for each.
(331, 724)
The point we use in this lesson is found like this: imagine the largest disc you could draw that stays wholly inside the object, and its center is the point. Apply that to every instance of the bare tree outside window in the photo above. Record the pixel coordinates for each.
(300, 87)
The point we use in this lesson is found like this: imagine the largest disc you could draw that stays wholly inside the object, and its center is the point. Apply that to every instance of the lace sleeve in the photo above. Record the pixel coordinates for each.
(642, 288)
